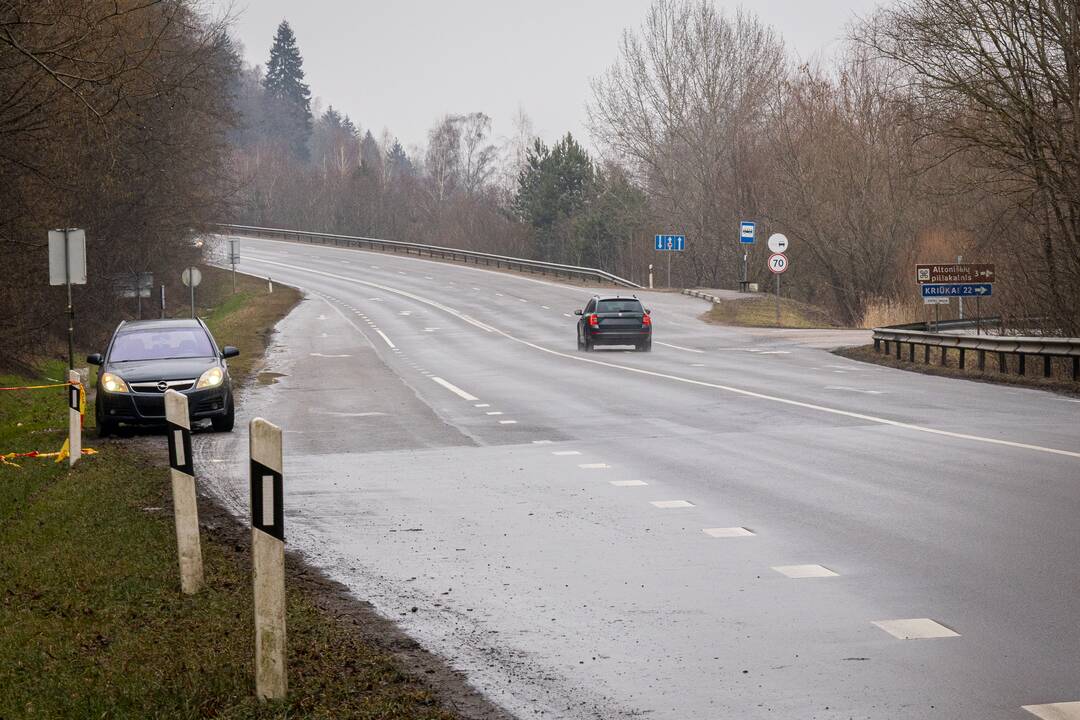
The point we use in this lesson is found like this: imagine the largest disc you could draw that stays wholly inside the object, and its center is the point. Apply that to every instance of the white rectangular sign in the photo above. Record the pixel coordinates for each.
(935, 300)
(74, 256)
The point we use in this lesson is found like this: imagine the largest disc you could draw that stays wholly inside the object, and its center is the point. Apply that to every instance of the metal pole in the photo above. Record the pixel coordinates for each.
(138, 295)
(978, 315)
(70, 307)
(937, 317)
(960, 259)
(162, 301)
(232, 261)
(669, 268)
(777, 299)
(191, 285)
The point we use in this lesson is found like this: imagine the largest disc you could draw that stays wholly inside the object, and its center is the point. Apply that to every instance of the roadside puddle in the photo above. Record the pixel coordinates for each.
(269, 378)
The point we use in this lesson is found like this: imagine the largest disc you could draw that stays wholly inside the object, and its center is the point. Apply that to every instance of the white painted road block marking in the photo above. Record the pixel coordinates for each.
(1055, 711)
(268, 558)
(185, 507)
(671, 504)
(915, 629)
(805, 571)
(730, 532)
(628, 483)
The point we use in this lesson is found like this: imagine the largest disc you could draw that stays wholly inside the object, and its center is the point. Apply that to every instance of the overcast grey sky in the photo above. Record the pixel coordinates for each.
(402, 64)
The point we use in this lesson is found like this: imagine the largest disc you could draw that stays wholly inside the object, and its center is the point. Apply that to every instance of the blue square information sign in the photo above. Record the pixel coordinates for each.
(676, 243)
(957, 290)
(747, 232)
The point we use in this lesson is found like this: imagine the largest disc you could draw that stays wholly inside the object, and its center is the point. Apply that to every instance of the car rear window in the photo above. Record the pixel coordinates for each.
(606, 306)
(161, 345)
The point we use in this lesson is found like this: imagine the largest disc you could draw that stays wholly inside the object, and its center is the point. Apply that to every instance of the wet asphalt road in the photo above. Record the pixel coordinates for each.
(545, 510)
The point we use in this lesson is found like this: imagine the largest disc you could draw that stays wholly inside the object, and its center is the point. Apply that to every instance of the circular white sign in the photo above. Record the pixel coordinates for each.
(778, 243)
(191, 277)
(778, 262)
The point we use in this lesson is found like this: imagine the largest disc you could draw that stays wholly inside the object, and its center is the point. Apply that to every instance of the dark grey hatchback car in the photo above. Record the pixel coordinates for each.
(147, 357)
(614, 321)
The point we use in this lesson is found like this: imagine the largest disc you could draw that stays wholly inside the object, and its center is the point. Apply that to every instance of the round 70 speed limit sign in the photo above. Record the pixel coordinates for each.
(778, 263)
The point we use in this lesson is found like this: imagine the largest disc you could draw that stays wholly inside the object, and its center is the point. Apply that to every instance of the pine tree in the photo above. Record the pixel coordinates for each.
(287, 95)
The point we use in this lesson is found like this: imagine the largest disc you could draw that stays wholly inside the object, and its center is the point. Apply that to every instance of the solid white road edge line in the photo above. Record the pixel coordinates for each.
(383, 336)
(455, 389)
(699, 383)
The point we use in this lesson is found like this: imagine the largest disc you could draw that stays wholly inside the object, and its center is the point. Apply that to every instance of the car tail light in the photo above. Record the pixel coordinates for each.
(594, 320)
(646, 321)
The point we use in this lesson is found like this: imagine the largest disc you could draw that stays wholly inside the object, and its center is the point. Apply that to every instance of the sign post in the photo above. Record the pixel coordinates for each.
(747, 237)
(670, 244)
(191, 277)
(185, 508)
(75, 400)
(778, 264)
(268, 558)
(67, 266)
(233, 257)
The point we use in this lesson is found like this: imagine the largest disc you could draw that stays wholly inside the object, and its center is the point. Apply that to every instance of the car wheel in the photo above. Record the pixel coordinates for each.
(588, 345)
(580, 342)
(645, 346)
(225, 422)
(105, 428)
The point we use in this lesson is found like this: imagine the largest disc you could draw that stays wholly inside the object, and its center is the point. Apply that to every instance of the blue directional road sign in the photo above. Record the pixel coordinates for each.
(958, 290)
(676, 243)
(747, 232)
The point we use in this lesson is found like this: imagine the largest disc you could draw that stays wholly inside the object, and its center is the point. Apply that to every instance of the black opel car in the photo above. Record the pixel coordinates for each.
(614, 321)
(147, 357)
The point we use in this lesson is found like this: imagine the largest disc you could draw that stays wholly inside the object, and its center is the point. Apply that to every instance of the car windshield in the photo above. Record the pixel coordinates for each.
(609, 306)
(161, 345)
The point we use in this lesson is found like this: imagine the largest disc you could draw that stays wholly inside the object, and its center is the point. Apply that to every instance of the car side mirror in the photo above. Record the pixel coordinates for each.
(229, 352)
(95, 359)
(579, 312)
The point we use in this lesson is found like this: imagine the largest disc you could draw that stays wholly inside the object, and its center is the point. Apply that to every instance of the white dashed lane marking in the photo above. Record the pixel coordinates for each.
(495, 412)
(805, 571)
(508, 422)
(915, 629)
(679, 347)
(628, 483)
(566, 452)
(594, 466)
(455, 389)
(671, 504)
(482, 405)
(730, 532)
(1055, 711)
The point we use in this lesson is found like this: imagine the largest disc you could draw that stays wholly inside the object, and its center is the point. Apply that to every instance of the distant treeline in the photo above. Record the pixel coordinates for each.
(942, 128)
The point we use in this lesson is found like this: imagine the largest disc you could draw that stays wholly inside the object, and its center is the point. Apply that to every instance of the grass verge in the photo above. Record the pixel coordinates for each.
(92, 623)
(1059, 381)
(761, 312)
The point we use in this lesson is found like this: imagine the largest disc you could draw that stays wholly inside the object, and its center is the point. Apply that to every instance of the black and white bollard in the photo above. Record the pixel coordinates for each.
(268, 559)
(74, 417)
(185, 507)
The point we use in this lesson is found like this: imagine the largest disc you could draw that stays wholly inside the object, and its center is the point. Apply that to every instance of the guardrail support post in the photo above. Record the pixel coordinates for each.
(911, 352)
(926, 354)
(1076, 368)
(1023, 365)
(886, 347)
(1048, 366)
(962, 354)
(944, 356)
(1003, 363)
(877, 345)
(898, 349)
(981, 355)
(185, 507)
(268, 558)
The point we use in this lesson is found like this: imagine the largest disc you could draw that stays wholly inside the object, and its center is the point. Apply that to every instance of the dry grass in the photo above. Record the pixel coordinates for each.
(761, 312)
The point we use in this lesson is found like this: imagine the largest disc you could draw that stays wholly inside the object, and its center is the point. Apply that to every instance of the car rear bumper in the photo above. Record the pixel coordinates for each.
(149, 408)
(619, 337)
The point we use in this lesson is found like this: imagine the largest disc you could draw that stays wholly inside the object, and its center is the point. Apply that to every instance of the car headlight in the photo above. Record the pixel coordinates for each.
(210, 379)
(113, 383)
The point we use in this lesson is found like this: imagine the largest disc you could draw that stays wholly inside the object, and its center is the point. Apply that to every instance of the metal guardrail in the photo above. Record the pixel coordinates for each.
(435, 251)
(919, 334)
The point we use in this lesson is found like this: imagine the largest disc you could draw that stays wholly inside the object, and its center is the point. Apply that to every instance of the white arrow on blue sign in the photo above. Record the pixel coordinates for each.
(747, 232)
(676, 243)
(958, 290)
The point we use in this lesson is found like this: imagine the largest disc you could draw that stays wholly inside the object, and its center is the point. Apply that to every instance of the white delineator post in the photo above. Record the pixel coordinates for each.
(74, 416)
(268, 556)
(186, 510)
